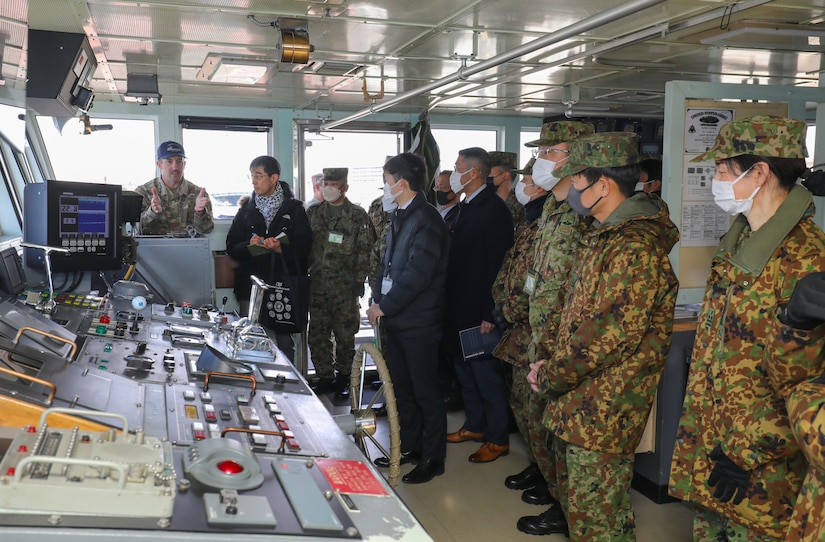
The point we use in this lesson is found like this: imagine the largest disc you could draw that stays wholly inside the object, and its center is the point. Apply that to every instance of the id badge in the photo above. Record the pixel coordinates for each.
(386, 284)
(530, 282)
(335, 237)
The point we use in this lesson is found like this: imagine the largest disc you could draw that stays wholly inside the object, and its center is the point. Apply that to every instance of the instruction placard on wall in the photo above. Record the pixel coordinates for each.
(701, 127)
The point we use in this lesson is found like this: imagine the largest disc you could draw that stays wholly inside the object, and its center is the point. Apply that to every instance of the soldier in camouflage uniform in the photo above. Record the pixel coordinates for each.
(735, 455)
(380, 223)
(560, 229)
(503, 176)
(806, 410)
(511, 308)
(612, 339)
(339, 262)
(171, 204)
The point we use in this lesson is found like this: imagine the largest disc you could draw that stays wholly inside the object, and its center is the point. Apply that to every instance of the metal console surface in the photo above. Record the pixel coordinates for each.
(314, 482)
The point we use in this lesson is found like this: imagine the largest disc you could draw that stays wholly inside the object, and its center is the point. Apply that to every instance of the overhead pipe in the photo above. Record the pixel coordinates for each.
(574, 29)
(661, 29)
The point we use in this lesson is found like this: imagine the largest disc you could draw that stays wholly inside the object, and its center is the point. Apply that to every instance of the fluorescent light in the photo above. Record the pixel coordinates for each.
(234, 70)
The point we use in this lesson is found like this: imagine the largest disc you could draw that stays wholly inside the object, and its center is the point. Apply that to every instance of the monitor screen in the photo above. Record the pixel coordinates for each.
(82, 218)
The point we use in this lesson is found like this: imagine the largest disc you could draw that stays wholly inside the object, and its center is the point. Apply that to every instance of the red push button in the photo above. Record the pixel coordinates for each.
(230, 467)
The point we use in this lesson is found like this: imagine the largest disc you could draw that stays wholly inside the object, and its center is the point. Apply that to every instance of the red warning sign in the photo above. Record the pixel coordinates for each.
(348, 476)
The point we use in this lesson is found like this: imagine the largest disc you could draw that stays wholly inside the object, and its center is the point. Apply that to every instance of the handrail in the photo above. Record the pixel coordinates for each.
(57, 338)
(24, 376)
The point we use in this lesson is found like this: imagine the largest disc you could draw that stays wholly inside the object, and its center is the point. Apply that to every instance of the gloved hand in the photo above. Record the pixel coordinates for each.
(498, 317)
(815, 182)
(806, 308)
(731, 480)
(358, 289)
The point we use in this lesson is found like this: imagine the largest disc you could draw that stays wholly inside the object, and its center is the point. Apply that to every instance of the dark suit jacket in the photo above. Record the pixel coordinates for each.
(480, 238)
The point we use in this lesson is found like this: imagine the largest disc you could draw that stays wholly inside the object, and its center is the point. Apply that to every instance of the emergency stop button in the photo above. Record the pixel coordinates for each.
(230, 467)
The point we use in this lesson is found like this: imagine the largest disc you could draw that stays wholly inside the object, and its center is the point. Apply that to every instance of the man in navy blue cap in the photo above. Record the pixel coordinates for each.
(171, 204)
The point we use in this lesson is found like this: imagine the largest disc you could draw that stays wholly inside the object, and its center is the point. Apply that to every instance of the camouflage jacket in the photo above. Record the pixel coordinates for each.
(806, 409)
(508, 289)
(342, 241)
(178, 209)
(380, 222)
(516, 209)
(560, 231)
(744, 364)
(615, 330)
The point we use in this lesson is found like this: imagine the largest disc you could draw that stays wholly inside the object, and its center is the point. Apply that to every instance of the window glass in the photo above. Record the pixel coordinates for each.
(218, 160)
(525, 153)
(116, 151)
(363, 153)
(450, 141)
(12, 126)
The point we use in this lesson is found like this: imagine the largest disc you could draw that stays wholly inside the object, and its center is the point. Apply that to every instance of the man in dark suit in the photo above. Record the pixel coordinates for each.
(482, 233)
(409, 296)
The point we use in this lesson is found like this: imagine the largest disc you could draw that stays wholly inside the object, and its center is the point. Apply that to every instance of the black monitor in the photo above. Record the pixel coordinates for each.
(83, 218)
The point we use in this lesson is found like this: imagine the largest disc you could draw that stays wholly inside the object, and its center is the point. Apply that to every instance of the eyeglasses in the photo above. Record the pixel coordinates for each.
(257, 176)
(544, 151)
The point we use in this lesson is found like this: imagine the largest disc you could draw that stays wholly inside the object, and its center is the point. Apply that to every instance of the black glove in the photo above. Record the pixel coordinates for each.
(815, 181)
(498, 317)
(731, 481)
(358, 289)
(806, 308)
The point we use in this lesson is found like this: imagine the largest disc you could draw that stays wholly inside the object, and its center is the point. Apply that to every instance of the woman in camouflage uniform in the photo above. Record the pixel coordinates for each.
(735, 456)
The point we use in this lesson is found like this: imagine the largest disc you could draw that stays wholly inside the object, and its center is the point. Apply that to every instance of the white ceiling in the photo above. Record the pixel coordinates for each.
(618, 67)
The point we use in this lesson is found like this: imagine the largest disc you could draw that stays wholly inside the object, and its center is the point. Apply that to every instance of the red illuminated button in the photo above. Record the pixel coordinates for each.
(105, 319)
(31, 429)
(230, 467)
(283, 426)
(292, 444)
(10, 471)
(22, 448)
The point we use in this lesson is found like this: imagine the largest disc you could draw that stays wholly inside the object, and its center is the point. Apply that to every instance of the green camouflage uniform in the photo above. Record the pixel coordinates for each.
(516, 208)
(806, 409)
(612, 343)
(745, 362)
(337, 274)
(508, 289)
(381, 223)
(178, 209)
(509, 161)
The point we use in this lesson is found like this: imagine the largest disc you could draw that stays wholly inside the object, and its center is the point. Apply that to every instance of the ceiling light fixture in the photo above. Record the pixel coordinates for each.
(233, 70)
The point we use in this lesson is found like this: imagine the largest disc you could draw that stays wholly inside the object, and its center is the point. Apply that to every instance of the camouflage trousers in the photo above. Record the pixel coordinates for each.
(528, 409)
(710, 526)
(333, 324)
(595, 489)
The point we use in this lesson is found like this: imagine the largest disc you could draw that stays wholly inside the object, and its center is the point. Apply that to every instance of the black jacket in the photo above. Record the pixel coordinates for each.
(290, 218)
(416, 257)
(481, 236)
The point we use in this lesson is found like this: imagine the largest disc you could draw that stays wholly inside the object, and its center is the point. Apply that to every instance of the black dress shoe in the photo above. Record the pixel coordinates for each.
(424, 472)
(406, 457)
(550, 521)
(538, 494)
(322, 385)
(342, 388)
(526, 479)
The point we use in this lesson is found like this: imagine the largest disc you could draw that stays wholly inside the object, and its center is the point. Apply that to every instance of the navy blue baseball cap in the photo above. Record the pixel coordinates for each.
(170, 148)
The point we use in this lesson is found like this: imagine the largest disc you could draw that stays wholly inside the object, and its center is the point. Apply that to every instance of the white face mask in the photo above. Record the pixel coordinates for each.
(725, 198)
(521, 195)
(331, 194)
(388, 199)
(543, 173)
(455, 180)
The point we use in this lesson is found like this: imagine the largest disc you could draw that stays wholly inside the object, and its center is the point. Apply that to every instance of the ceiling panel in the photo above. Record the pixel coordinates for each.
(621, 65)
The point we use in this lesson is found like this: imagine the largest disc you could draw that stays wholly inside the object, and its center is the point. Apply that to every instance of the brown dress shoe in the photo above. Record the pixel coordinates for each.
(462, 435)
(489, 452)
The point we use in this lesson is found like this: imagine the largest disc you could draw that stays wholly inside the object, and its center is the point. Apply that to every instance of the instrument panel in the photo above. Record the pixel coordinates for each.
(197, 409)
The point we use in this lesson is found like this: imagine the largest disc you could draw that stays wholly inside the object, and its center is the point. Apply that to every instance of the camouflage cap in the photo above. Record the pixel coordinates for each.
(527, 169)
(605, 149)
(335, 173)
(760, 135)
(553, 133)
(507, 160)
